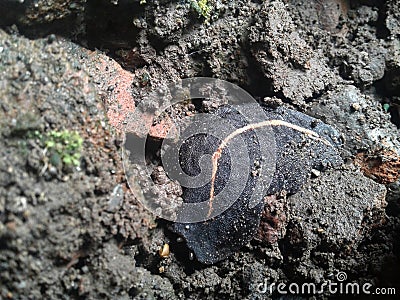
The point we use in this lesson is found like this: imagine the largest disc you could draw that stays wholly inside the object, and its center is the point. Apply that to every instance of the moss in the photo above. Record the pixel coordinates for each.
(202, 7)
(59, 147)
(386, 107)
(65, 145)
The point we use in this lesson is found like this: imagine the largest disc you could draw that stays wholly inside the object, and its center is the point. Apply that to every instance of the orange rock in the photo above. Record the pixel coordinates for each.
(116, 84)
(383, 166)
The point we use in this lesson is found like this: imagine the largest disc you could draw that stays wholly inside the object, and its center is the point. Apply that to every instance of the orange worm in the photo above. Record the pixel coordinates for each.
(217, 154)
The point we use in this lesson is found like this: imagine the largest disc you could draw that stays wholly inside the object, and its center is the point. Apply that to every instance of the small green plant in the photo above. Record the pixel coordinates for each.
(202, 7)
(386, 107)
(67, 145)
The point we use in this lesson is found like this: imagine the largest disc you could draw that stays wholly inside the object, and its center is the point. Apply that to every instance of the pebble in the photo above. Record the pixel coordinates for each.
(315, 172)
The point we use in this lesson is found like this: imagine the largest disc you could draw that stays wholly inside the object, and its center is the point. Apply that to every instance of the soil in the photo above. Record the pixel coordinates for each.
(76, 231)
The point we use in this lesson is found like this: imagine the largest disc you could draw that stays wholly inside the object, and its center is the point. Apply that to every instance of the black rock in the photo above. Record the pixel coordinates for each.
(297, 152)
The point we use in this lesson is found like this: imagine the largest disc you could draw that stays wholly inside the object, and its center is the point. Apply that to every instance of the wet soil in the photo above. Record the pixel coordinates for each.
(76, 231)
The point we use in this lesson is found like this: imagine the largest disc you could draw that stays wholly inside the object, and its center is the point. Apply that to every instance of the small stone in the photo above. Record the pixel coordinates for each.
(52, 170)
(116, 198)
(356, 106)
(164, 251)
(315, 172)
(51, 38)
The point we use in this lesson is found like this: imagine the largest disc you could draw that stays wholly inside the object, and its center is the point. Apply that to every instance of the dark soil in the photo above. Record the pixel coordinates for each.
(76, 230)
